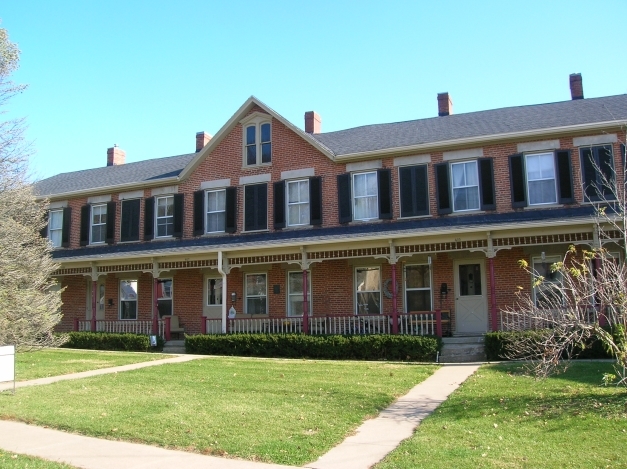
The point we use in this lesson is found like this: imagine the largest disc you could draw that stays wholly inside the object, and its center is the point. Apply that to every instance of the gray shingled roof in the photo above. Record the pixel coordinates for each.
(474, 124)
(141, 171)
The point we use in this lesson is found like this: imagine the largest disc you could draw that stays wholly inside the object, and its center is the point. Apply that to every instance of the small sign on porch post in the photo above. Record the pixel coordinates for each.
(153, 340)
(7, 364)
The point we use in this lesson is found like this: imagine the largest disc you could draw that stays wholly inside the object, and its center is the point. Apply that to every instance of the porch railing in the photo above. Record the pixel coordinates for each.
(349, 324)
(521, 322)
(121, 327)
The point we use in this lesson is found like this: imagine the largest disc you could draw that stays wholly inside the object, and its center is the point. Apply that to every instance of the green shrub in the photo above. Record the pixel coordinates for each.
(336, 347)
(111, 341)
(495, 343)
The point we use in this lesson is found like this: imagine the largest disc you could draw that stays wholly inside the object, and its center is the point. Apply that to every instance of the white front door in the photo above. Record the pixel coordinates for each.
(471, 306)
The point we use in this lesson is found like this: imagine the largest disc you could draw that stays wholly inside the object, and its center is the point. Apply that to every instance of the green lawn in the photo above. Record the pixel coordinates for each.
(54, 362)
(282, 411)
(500, 418)
(10, 460)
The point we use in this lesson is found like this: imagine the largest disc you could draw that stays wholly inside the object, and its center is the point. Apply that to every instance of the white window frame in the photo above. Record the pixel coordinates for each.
(129, 299)
(92, 225)
(302, 205)
(169, 200)
(406, 289)
(551, 156)
(210, 212)
(372, 197)
(248, 296)
(357, 291)
(466, 186)
(256, 120)
(548, 261)
(54, 229)
(164, 296)
(291, 294)
(208, 287)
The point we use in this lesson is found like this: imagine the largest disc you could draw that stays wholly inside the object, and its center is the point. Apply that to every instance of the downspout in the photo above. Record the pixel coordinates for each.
(224, 291)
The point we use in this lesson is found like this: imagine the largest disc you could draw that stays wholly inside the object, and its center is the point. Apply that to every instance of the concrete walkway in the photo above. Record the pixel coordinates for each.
(373, 440)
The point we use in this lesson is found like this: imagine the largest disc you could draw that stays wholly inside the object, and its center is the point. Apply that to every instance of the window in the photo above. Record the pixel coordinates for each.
(164, 297)
(547, 293)
(256, 207)
(216, 211)
(365, 199)
(214, 291)
(414, 190)
(257, 143)
(418, 294)
(256, 293)
(98, 230)
(101, 296)
(368, 290)
(541, 179)
(128, 299)
(465, 186)
(55, 227)
(165, 216)
(295, 293)
(298, 202)
(129, 227)
(597, 167)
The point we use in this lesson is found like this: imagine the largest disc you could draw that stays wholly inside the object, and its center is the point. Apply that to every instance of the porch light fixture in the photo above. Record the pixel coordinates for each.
(110, 302)
(233, 297)
(443, 293)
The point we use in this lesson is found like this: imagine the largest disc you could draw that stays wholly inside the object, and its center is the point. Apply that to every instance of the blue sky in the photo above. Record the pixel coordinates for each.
(148, 75)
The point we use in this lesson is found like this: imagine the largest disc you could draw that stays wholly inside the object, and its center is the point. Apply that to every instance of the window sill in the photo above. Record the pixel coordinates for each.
(416, 217)
(255, 166)
(129, 242)
(541, 206)
(599, 202)
(467, 212)
(298, 227)
(214, 234)
(256, 231)
(95, 245)
(162, 238)
(361, 222)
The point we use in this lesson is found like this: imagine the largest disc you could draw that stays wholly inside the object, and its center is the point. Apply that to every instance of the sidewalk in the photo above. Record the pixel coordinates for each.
(371, 442)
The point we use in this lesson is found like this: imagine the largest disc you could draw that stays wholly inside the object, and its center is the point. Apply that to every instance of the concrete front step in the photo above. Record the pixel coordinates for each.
(174, 346)
(462, 350)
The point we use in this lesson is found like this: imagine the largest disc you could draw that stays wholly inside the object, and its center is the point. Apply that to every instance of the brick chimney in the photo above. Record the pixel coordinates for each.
(202, 138)
(445, 104)
(313, 122)
(115, 156)
(576, 86)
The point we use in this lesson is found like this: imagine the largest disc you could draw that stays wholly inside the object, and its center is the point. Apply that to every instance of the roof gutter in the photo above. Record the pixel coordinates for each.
(473, 141)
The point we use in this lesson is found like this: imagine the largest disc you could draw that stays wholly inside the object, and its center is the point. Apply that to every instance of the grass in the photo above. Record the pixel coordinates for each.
(281, 411)
(10, 460)
(54, 362)
(500, 418)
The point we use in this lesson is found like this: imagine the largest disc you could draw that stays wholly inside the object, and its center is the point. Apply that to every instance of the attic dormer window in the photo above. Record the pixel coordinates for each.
(257, 139)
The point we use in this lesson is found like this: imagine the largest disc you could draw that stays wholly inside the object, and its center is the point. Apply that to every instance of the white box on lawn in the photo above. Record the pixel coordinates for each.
(7, 363)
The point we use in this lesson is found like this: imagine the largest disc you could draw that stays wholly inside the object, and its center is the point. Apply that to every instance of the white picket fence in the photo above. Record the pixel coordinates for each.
(123, 327)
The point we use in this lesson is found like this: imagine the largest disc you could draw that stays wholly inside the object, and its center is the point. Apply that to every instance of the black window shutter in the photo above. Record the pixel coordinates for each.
(414, 190)
(85, 215)
(564, 177)
(67, 223)
(129, 225)
(588, 173)
(199, 213)
(256, 207)
(315, 200)
(623, 155)
(517, 180)
(606, 179)
(149, 218)
(179, 212)
(344, 197)
(384, 183)
(249, 208)
(111, 206)
(486, 182)
(262, 207)
(406, 191)
(279, 205)
(44, 230)
(442, 187)
(230, 208)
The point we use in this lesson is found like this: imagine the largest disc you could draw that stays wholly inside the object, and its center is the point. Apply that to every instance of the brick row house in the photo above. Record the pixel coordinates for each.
(408, 227)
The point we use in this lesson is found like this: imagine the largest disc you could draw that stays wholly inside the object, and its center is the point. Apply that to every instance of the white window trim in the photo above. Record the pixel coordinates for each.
(355, 291)
(405, 289)
(526, 175)
(548, 260)
(60, 230)
(207, 282)
(256, 119)
(287, 201)
(453, 186)
(246, 295)
(157, 217)
(207, 212)
(171, 297)
(354, 197)
(91, 223)
(136, 300)
(289, 315)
